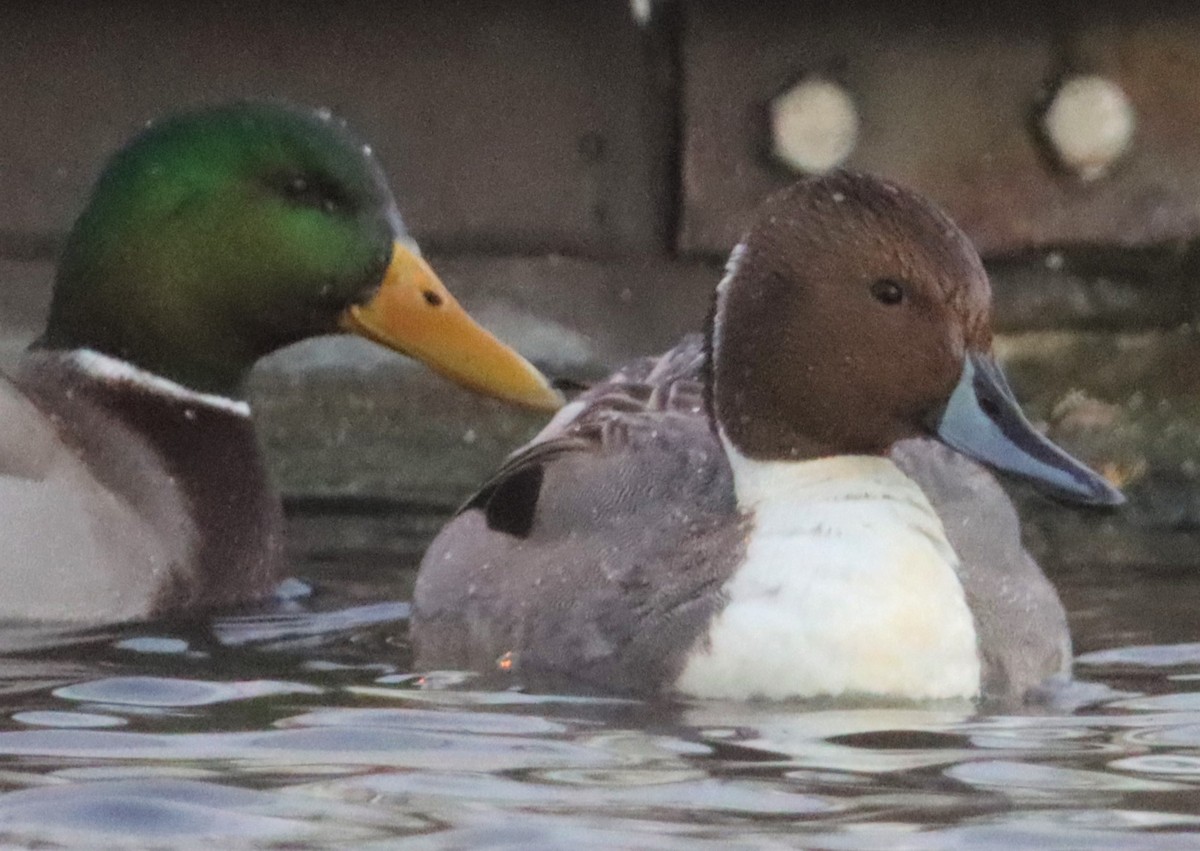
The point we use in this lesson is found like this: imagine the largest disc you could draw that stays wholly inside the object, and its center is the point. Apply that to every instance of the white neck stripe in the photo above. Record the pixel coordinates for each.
(732, 266)
(112, 370)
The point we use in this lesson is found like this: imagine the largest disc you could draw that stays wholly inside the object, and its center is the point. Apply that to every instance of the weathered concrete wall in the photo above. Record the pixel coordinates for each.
(529, 126)
(951, 98)
(577, 173)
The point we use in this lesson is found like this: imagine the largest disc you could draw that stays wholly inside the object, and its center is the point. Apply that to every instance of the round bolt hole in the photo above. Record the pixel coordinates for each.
(1089, 125)
(814, 126)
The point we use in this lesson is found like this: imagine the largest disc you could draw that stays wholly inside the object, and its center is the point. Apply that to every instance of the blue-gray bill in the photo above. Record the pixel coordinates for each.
(983, 420)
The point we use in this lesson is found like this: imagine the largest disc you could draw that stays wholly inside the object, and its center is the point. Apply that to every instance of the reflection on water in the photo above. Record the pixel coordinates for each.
(304, 726)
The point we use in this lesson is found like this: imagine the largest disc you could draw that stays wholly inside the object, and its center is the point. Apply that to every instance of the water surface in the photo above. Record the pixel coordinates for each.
(305, 727)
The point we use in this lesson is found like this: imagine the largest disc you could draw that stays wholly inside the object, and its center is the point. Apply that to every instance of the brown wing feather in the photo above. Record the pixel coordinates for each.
(599, 550)
(641, 402)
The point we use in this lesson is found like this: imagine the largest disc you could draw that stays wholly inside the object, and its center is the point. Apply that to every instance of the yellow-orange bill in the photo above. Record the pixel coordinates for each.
(415, 314)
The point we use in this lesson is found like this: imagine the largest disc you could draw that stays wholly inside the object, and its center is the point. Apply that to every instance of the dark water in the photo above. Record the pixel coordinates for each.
(306, 728)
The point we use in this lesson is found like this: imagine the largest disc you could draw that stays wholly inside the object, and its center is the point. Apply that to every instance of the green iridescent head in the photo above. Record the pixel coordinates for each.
(219, 235)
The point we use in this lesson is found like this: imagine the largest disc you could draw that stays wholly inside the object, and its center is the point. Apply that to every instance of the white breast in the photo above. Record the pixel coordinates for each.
(848, 586)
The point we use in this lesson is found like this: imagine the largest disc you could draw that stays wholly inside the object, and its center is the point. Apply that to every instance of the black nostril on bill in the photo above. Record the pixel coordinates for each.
(989, 407)
(431, 298)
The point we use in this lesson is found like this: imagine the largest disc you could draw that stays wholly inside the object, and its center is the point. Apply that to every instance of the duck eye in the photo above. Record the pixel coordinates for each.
(887, 291)
(315, 192)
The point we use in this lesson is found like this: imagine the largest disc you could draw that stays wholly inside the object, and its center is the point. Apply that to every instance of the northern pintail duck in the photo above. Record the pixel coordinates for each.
(131, 482)
(783, 508)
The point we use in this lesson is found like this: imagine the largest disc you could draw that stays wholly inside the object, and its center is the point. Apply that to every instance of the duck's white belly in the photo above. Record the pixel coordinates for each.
(848, 586)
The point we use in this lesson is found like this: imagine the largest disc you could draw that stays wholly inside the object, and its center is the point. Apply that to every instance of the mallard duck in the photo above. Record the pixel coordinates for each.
(131, 483)
(791, 506)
